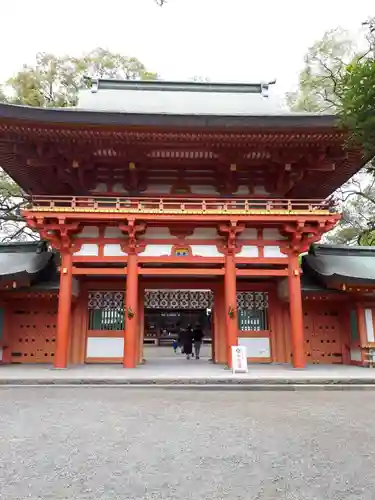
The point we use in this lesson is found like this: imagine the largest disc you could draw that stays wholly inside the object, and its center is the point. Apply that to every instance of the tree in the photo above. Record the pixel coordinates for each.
(54, 81)
(325, 63)
(12, 200)
(356, 89)
(357, 201)
(331, 82)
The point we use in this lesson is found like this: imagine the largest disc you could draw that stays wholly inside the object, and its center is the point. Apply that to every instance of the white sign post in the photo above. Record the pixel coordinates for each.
(239, 359)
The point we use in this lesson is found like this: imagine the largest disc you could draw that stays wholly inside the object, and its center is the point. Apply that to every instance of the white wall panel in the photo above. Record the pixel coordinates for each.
(156, 250)
(157, 232)
(273, 251)
(242, 191)
(113, 250)
(204, 233)
(369, 325)
(205, 251)
(114, 232)
(158, 189)
(260, 190)
(88, 232)
(204, 189)
(271, 233)
(355, 355)
(100, 188)
(88, 250)
(249, 251)
(104, 347)
(256, 347)
(249, 233)
(119, 188)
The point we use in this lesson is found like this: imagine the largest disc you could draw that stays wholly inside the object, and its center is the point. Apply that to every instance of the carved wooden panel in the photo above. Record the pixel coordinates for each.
(33, 332)
(323, 334)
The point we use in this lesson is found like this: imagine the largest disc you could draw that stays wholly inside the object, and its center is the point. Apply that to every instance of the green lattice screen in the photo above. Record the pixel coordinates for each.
(106, 310)
(250, 320)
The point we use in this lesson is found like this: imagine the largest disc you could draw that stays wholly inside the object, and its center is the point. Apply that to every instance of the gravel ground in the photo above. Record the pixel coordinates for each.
(116, 443)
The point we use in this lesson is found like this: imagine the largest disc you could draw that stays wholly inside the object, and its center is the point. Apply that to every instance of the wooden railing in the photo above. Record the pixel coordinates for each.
(175, 205)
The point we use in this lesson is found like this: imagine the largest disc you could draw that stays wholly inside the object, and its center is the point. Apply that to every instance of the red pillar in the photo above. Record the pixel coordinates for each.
(64, 311)
(141, 325)
(131, 323)
(230, 305)
(296, 315)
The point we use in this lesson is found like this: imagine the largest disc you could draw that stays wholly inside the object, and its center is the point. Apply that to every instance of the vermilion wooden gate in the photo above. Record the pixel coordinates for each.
(324, 333)
(33, 331)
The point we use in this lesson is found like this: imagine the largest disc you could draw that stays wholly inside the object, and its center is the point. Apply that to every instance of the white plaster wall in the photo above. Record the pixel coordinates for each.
(272, 233)
(249, 233)
(100, 188)
(273, 251)
(88, 232)
(103, 347)
(158, 189)
(355, 355)
(204, 189)
(157, 232)
(119, 188)
(369, 325)
(204, 233)
(156, 250)
(205, 251)
(88, 250)
(260, 190)
(256, 347)
(113, 250)
(248, 251)
(114, 232)
(242, 191)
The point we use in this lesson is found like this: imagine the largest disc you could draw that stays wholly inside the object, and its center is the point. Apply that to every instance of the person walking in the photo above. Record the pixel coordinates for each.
(187, 341)
(198, 339)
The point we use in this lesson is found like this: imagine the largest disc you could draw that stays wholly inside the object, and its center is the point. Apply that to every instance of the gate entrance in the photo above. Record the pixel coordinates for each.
(167, 312)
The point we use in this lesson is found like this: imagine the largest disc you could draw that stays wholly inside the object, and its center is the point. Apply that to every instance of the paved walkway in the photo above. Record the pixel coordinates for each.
(110, 443)
(177, 370)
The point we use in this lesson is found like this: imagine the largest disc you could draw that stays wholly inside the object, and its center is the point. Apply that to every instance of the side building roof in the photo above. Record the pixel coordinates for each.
(33, 266)
(335, 265)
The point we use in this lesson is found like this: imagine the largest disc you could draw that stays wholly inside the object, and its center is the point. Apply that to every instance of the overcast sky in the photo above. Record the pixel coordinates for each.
(224, 40)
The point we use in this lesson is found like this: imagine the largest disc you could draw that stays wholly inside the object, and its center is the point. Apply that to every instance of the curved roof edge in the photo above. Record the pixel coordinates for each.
(339, 264)
(74, 116)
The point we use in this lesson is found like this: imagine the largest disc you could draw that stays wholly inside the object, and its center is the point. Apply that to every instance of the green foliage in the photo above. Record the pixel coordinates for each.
(357, 199)
(325, 62)
(367, 238)
(356, 89)
(55, 81)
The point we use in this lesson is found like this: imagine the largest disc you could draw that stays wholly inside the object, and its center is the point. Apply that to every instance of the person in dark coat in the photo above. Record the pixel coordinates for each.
(198, 339)
(187, 341)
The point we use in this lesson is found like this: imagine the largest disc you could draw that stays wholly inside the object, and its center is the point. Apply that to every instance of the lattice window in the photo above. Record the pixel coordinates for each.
(178, 299)
(106, 310)
(252, 311)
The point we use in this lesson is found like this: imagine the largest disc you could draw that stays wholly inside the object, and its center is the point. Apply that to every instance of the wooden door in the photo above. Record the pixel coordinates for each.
(33, 331)
(323, 334)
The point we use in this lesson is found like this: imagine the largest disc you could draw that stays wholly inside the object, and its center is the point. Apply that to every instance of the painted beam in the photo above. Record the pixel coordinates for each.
(99, 271)
(262, 272)
(180, 272)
